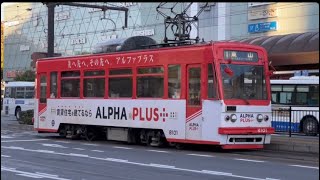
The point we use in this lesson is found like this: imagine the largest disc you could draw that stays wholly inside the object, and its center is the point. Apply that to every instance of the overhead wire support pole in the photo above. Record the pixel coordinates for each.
(51, 6)
(50, 35)
(103, 8)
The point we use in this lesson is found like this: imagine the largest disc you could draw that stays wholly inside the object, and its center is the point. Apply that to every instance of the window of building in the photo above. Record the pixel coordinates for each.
(70, 84)
(174, 81)
(150, 82)
(94, 84)
(120, 83)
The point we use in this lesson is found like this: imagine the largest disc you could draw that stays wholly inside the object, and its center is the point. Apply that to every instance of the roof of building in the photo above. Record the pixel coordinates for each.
(291, 49)
(290, 43)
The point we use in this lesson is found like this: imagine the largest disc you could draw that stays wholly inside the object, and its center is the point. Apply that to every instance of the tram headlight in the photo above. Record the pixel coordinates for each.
(266, 117)
(233, 118)
(227, 118)
(259, 117)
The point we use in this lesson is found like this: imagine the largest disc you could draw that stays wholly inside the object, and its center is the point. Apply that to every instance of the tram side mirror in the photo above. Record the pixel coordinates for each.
(271, 72)
(228, 71)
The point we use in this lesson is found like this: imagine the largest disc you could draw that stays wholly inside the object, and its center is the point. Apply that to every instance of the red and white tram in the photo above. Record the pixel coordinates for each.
(212, 93)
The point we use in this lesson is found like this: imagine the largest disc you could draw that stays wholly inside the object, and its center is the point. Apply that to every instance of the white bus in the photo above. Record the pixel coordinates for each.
(301, 94)
(19, 96)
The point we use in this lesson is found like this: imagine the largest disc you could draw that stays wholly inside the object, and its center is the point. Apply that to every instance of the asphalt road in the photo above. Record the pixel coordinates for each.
(29, 155)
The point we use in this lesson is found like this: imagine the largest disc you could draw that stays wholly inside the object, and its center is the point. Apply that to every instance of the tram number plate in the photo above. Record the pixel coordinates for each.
(173, 132)
(262, 130)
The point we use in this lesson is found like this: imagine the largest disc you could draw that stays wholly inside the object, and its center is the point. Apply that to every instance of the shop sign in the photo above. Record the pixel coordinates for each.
(147, 32)
(262, 27)
(262, 13)
(62, 16)
(108, 37)
(253, 4)
(24, 48)
(78, 41)
(11, 23)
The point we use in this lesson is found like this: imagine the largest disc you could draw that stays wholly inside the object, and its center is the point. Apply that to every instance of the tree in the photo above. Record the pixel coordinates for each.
(26, 76)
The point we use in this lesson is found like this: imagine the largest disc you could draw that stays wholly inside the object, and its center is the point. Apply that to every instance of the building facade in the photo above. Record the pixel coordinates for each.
(78, 29)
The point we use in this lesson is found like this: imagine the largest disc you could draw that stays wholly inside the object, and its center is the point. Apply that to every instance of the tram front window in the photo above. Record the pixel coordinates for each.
(246, 82)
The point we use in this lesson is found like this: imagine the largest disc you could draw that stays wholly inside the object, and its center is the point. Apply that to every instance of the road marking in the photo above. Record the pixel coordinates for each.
(78, 155)
(121, 147)
(116, 160)
(5, 156)
(5, 137)
(305, 166)
(162, 166)
(44, 151)
(216, 172)
(54, 145)
(33, 175)
(62, 142)
(25, 140)
(97, 150)
(201, 155)
(158, 151)
(250, 160)
(87, 144)
(45, 174)
(16, 147)
(79, 149)
(211, 172)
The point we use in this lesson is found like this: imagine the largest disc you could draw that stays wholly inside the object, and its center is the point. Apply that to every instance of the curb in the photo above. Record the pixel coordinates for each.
(21, 127)
(294, 144)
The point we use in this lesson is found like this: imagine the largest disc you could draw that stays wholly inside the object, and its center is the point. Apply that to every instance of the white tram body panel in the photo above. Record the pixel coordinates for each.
(167, 115)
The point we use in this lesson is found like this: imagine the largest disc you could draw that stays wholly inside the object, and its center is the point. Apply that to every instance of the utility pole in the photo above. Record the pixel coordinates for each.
(50, 32)
(52, 5)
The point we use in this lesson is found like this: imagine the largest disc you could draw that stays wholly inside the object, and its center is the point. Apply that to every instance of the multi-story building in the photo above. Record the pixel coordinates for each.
(78, 29)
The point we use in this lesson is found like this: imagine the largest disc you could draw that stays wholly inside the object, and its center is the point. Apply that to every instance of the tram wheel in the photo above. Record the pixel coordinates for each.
(180, 146)
(90, 135)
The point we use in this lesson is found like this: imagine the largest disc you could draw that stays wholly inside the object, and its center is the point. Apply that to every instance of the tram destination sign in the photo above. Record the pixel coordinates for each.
(240, 55)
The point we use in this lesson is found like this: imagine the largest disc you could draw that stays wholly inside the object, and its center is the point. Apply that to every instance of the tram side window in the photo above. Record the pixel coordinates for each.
(211, 82)
(120, 83)
(70, 84)
(53, 84)
(194, 89)
(94, 84)
(150, 82)
(174, 81)
(43, 89)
